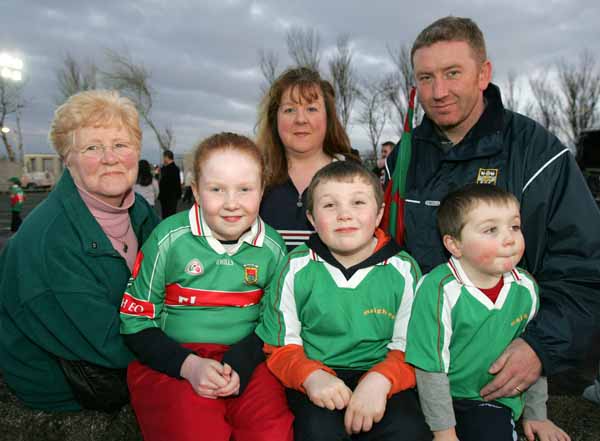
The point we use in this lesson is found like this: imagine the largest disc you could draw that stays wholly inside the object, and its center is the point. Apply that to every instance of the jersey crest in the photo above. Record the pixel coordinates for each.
(251, 274)
(194, 268)
(487, 176)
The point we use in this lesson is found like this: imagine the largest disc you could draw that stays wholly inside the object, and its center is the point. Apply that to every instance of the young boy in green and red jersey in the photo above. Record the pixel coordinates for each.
(466, 312)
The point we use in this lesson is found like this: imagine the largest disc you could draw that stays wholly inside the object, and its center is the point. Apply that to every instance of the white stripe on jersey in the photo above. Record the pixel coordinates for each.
(287, 303)
(404, 267)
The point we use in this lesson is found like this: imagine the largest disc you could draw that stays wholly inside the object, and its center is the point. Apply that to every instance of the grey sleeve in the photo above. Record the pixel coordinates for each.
(535, 400)
(436, 401)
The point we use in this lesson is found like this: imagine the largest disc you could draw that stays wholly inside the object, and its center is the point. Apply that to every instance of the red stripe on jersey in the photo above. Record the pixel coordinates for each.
(138, 264)
(178, 295)
(133, 306)
(197, 211)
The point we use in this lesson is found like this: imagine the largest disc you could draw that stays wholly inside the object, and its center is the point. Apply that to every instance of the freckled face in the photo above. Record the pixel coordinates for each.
(491, 242)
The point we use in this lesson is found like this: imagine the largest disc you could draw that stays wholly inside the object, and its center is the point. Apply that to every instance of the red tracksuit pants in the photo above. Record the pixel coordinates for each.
(168, 409)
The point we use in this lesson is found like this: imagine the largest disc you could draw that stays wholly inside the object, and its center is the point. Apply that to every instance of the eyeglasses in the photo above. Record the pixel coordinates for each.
(97, 151)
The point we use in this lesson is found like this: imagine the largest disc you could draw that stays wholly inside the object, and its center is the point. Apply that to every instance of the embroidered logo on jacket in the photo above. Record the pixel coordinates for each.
(194, 268)
(251, 274)
(487, 176)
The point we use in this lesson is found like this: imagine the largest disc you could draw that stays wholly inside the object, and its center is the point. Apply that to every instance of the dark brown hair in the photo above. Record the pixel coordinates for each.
(456, 206)
(343, 171)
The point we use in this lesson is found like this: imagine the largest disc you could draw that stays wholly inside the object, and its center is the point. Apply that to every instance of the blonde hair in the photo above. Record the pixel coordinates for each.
(227, 141)
(308, 84)
(93, 108)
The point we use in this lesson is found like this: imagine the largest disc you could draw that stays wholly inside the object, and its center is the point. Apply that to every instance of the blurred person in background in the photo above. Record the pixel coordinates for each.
(146, 185)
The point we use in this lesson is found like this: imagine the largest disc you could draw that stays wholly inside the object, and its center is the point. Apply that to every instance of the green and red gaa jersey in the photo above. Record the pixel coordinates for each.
(456, 329)
(195, 289)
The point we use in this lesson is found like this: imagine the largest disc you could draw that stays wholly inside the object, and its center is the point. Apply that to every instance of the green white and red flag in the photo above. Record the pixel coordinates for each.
(395, 190)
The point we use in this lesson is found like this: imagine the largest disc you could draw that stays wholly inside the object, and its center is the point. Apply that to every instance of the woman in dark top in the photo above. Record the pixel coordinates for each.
(299, 133)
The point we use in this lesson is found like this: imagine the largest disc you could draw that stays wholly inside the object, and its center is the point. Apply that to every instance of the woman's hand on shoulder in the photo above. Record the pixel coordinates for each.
(205, 375)
(326, 390)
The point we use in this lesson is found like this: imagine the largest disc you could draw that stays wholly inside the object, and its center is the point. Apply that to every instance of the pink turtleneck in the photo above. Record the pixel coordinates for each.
(115, 223)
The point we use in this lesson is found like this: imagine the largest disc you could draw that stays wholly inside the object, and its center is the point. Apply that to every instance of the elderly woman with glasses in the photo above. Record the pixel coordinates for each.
(63, 274)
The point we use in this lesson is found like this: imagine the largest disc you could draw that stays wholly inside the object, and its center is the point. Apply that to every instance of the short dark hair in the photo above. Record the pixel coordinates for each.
(168, 154)
(392, 143)
(452, 29)
(344, 171)
(456, 206)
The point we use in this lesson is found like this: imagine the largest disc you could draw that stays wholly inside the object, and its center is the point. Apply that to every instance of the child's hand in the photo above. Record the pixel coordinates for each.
(367, 404)
(326, 390)
(545, 430)
(233, 385)
(204, 374)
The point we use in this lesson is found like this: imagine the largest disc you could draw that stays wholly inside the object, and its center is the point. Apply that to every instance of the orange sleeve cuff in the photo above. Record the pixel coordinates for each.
(394, 368)
(291, 366)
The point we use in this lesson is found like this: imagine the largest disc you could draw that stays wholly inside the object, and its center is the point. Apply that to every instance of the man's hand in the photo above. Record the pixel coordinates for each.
(516, 369)
(205, 375)
(326, 390)
(367, 405)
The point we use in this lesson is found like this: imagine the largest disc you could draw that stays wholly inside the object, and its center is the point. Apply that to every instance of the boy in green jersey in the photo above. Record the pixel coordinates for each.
(466, 312)
(336, 314)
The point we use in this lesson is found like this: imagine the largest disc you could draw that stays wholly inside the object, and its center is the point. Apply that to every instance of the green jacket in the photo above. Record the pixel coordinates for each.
(61, 283)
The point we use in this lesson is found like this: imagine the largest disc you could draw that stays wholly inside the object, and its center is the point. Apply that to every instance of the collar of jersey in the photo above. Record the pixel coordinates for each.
(461, 276)
(255, 236)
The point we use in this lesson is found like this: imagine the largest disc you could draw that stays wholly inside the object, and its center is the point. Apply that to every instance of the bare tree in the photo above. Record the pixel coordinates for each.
(133, 80)
(74, 77)
(579, 86)
(397, 85)
(268, 62)
(374, 112)
(303, 47)
(513, 96)
(11, 101)
(545, 101)
(344, 79)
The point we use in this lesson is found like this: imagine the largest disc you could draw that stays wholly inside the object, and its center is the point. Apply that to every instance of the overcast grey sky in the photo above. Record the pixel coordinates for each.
(203, 55)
